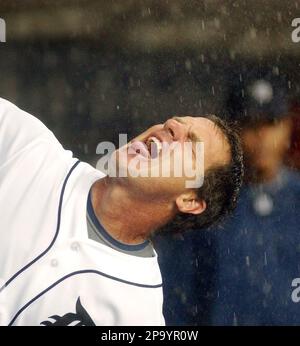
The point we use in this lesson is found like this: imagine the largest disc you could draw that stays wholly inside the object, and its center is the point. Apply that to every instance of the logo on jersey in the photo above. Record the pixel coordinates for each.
(79, 318)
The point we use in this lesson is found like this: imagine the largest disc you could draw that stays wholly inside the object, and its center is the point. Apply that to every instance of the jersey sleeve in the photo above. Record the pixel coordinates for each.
(18, 131)
(33, 167)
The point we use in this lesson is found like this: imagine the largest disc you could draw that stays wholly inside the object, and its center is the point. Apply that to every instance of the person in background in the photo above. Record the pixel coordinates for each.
(258, 251)
(293, 157)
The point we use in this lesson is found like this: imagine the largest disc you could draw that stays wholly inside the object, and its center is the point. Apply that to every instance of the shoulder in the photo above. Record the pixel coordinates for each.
(5, 104)
(14, 119)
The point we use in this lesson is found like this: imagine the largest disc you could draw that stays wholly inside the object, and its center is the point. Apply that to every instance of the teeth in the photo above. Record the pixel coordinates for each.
(154, 146)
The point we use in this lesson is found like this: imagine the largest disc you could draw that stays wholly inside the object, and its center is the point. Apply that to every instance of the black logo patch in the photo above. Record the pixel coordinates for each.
(80, 318)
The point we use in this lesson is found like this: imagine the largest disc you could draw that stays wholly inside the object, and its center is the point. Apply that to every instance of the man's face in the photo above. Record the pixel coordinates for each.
(264, 147)
(159, 147)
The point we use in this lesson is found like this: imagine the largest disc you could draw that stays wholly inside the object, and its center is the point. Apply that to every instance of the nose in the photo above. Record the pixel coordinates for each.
(176, 130)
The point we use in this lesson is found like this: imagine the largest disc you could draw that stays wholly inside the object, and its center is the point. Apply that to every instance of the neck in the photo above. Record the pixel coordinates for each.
(126, 217)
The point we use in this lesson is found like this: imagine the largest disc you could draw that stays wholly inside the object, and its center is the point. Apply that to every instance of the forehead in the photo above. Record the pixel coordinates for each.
(216, 147)
(199, 123)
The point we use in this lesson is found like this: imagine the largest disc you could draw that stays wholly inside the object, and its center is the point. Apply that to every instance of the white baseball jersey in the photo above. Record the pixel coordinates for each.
(51, 272)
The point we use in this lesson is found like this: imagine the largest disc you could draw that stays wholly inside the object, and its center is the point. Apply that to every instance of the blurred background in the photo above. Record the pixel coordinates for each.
(91, 69)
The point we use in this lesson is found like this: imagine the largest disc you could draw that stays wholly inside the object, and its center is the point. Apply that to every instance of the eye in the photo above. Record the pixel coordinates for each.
(171, 132)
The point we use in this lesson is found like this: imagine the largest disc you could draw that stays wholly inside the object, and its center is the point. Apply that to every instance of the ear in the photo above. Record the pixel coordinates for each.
(189, 203)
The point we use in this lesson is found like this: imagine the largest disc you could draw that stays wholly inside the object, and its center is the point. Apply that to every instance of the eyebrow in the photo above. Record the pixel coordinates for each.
(192, 134)
(180, 120)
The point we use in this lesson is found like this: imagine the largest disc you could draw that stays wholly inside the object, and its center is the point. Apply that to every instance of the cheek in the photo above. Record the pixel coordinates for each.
(185, 170)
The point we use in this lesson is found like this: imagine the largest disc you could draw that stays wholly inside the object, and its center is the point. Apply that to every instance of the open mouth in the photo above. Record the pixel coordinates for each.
(149, 149)
(154, 146)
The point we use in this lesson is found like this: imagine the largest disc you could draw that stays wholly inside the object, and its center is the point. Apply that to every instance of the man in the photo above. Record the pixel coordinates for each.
(259, 249)
(75, 244)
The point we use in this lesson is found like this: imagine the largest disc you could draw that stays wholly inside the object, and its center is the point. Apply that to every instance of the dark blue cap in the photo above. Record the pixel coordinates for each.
(257, 94)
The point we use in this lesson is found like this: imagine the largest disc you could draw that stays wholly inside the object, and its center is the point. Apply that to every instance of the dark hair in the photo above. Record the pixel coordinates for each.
(220, 188)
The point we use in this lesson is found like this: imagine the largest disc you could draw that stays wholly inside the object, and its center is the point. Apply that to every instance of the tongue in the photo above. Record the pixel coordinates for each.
(138, 148)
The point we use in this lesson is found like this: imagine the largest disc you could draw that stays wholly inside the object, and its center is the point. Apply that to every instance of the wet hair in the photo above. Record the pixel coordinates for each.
(220, 188)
